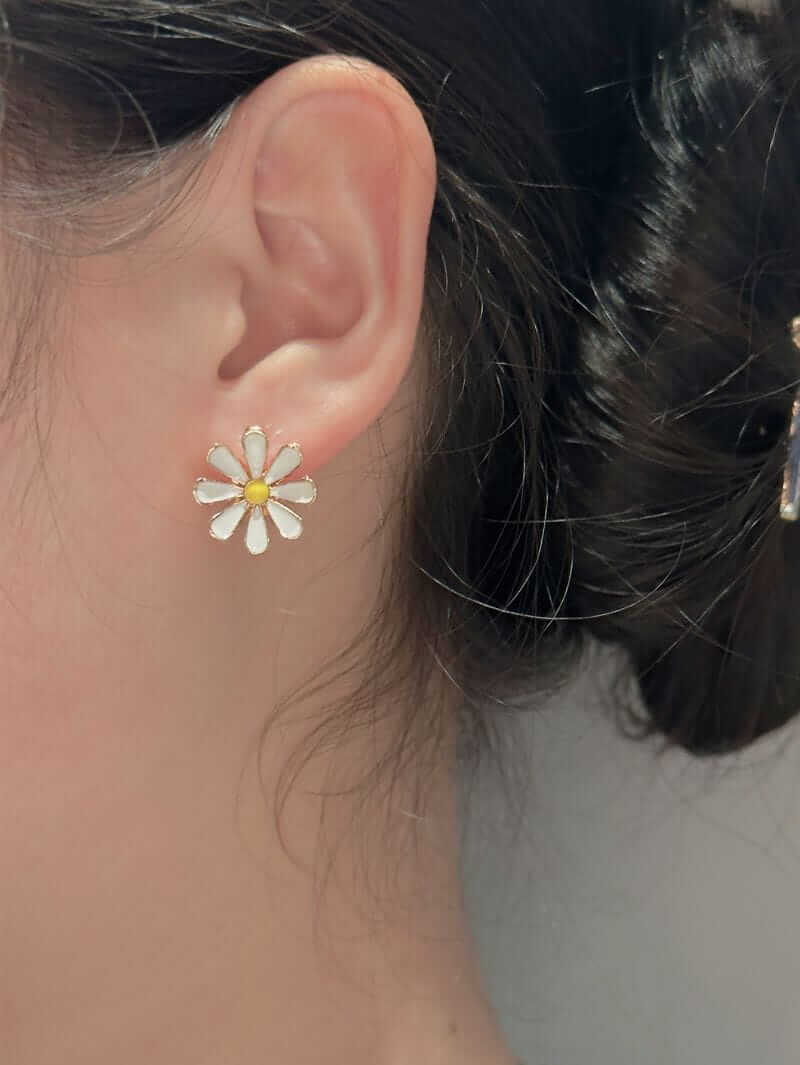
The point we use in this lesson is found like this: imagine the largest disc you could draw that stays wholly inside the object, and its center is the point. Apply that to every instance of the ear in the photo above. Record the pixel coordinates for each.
(323, 192)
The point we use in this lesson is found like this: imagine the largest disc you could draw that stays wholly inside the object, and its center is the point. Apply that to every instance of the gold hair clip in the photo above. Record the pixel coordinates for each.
(790, 498)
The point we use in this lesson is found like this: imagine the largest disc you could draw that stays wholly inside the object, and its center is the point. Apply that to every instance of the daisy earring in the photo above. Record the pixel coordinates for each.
(251, 490)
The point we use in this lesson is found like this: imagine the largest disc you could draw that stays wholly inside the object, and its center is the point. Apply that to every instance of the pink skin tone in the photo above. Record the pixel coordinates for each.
(148, 910)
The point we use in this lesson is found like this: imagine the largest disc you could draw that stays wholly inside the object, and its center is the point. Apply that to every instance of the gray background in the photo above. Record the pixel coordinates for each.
(642, 908)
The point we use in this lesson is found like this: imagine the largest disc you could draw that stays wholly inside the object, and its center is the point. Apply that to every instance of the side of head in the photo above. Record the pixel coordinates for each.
(560, 269)
(519, 283)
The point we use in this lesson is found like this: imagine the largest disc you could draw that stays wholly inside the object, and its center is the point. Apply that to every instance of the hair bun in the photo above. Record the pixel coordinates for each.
(677, 428)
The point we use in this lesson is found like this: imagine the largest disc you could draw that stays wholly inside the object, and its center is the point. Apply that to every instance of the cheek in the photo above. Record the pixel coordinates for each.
(86, 720)
(57, 770)
(92, 791)
(63, 752)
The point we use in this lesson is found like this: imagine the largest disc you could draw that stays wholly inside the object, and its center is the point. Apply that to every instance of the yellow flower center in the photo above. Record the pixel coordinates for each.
(256, 492)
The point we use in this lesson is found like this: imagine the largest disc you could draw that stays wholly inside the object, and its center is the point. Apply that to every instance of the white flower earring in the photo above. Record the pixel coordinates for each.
(255, 491)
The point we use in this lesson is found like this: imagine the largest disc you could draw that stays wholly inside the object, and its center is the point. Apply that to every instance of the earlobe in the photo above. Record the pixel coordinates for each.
(343, 180)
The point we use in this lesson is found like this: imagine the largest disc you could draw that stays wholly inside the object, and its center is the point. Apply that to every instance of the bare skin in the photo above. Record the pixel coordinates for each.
(148, 909)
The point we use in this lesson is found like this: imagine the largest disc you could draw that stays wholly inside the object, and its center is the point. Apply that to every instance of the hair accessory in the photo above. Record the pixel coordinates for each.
(790, 498)
(255, 491)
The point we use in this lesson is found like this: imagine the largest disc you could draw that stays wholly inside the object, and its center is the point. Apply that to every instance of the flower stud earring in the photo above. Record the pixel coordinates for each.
(255, 491)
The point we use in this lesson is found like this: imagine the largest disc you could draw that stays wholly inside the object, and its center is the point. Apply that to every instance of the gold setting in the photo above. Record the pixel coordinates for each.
(249, 491)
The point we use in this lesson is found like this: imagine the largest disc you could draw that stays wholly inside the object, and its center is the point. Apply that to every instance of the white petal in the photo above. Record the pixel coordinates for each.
(254, 444)
(215, 491)
(257, 537)
(223, 525)
(289, 524)
(223, 459)
(304, 491)
(285, 462)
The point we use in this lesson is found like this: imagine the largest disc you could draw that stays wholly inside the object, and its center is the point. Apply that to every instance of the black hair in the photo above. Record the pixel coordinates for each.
(613, 264)
(675, 439)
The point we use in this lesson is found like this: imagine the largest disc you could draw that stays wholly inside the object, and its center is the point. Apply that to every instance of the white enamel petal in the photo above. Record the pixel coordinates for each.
(285, 462)
(223, 459)
(257, 537)
(289, 524)
(223, 525)
(254, 444)
(215, 491)
(304, 491)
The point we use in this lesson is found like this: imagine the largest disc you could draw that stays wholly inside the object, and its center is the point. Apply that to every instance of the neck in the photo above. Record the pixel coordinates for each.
(160, 909)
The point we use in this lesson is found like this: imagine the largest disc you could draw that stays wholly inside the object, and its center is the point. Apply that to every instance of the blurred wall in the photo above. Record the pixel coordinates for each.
(639, 910)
